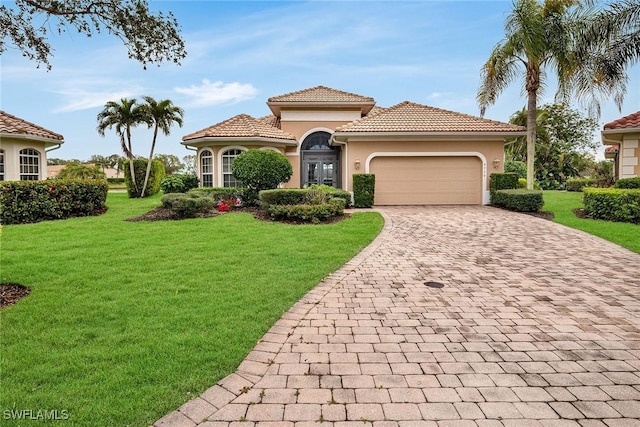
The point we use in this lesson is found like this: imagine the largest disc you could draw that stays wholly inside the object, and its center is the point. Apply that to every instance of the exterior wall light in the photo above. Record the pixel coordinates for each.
(356, 165)
(496, 163)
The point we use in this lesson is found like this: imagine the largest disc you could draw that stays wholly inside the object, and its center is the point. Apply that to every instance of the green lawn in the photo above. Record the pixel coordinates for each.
(562, 203)
(128, 320)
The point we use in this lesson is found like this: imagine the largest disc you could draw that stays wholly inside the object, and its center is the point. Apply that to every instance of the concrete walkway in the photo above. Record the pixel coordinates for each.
(536, 325)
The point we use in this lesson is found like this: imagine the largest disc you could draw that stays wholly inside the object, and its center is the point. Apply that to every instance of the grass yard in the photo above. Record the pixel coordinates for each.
(126, 321)
(562, 203)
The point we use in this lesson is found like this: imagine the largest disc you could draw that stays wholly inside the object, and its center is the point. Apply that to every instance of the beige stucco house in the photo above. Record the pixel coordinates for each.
(419, 154)
(23, 148)
(623, 138)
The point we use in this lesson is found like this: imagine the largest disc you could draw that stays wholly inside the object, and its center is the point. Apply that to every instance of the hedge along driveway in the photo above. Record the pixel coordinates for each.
(128, 320)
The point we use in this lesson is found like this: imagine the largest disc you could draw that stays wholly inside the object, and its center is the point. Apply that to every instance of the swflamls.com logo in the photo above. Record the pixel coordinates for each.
(37, 414)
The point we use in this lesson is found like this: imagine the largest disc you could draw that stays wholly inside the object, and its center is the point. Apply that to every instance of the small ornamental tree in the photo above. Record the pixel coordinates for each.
(261, 169)
(80, 171)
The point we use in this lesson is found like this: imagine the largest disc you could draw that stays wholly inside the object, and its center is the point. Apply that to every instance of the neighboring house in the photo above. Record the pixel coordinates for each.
(23, 149)
(623, 137)
(419, 154)
(54, 170)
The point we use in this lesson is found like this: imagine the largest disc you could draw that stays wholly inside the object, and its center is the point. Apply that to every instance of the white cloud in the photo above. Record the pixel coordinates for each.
(78, 100)
(216, 93)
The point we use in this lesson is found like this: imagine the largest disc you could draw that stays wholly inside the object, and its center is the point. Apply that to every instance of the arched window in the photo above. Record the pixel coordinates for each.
(29, 164)
(317, 141)
(206, 168)
(1, 165)
(228, 180)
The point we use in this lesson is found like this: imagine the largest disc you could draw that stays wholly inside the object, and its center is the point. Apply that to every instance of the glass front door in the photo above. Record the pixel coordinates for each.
(320, 169)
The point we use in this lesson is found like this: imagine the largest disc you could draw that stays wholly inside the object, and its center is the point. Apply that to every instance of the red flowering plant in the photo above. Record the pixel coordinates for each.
(227, 205)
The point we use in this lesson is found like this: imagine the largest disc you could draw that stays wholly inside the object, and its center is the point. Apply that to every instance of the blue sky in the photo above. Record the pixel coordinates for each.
(240, 53)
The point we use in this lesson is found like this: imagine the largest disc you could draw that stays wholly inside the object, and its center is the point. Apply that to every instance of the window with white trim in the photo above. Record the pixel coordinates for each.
(206, 168)
(228, 180)
(29, 165)
(1, 165)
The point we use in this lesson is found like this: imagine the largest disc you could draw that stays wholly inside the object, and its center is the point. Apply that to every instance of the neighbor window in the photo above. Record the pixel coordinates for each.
(29, 165)
(206, 168)
(228, 180)
(1, 165)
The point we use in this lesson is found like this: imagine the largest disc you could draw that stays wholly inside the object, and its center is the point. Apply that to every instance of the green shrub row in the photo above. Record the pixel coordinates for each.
(188, 205)
(115, 180)
(518, 200)
(364, 188)
(33, 201)
(577, 184)
(628, 183)
(307, 213)
(613, 204)
(522, 183)
(247, 197)
(314, 195)
(178, 183)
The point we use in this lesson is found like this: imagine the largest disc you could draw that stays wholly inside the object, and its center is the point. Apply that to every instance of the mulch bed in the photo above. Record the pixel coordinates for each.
(580, 213)
(164, 214)
(542, 214)
(10, 293)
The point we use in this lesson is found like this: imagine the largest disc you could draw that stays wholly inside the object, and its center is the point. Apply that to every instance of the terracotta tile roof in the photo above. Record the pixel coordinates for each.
(12, 124)
(630, 121)
(375, 110)
(411, 117)
(321, 94)
(611, 149)
(243, 125)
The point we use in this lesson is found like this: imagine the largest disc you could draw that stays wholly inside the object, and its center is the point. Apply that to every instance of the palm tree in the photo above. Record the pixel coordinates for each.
(161, 115)
(607, 45)
(539, 36)
(122, 116)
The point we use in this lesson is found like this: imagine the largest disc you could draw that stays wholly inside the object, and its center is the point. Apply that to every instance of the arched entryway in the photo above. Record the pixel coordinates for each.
(320, 161)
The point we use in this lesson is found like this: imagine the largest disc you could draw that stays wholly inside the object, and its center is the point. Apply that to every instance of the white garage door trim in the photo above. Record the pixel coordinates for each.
(485, 193)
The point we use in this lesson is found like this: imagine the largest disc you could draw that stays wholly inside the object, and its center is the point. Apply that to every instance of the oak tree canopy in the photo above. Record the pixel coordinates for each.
(150, 37)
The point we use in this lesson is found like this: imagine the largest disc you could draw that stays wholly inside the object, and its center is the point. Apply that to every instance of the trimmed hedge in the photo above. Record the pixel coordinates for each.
(282, 196)
(115, 180)
(34, 201)
(364, 189)
(307, 213)
(178, 183)
(577, 184)
(247, 197)
(518, 200)
(503, 181)
(613, 204)
(140, 170)
(187, 205)
(628, 183)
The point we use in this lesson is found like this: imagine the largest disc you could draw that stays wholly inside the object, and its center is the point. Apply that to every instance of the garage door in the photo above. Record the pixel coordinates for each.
(427, 180)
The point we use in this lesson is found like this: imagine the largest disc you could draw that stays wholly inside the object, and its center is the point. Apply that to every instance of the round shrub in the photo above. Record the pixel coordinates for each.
(261, 169)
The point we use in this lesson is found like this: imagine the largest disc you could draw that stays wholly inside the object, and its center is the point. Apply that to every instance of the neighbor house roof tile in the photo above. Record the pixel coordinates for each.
(630, 121)
(15, 125)
(243, 125)
(321, 94)
(412, 117)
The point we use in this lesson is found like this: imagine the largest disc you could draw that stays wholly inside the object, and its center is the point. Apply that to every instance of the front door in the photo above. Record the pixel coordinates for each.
(320, 169)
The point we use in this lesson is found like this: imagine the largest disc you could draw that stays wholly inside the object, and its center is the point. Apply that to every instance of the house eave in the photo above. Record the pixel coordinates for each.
(276, 107)
(608, 138)
(238, 140)
(25, 136)
(441, 136)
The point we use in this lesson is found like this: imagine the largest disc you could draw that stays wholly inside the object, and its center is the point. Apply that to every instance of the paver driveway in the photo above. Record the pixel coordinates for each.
(536, 324)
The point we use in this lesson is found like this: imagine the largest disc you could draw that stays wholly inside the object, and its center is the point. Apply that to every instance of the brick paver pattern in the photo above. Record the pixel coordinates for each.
(536, 325)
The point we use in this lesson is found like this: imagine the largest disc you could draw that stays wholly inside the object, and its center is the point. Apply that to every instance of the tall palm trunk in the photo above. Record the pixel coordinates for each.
(531, 138)
(532, 86)
(153, 147)
(132, 169)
